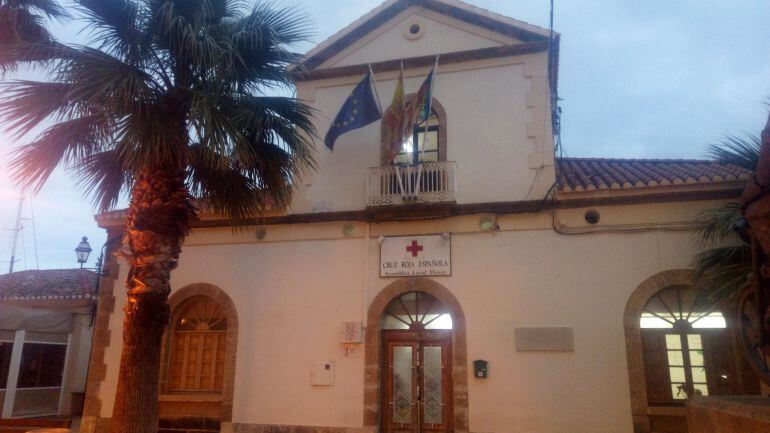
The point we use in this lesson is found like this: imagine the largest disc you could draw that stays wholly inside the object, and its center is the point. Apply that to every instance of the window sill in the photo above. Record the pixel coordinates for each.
(673, 410)
(191, 397)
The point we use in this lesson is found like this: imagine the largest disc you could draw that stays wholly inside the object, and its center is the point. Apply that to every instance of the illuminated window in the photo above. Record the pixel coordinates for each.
(427, 143)
(198, 347)
(687, 349)
(416, 311)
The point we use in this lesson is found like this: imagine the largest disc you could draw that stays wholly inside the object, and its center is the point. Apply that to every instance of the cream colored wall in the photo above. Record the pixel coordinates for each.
(497, 128)
(498, 120)
(442, 34)
(290, 298)
(293, 289)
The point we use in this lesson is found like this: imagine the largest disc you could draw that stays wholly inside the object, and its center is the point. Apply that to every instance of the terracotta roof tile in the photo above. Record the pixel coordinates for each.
(590, 174)
(48, 284)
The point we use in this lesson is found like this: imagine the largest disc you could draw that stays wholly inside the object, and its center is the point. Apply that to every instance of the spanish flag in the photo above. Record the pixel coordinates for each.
(395, 120)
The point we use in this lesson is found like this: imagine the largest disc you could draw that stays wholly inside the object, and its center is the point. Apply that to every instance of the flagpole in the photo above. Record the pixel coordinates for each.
(427, 112)
(398, 172)
(426, 138)
(374, 87)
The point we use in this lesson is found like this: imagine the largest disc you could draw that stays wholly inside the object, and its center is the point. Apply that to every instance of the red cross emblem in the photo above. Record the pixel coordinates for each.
(414, 248)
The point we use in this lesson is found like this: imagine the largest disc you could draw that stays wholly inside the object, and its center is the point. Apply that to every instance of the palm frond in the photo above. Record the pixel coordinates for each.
(96, 76)
(26, 104)
(64, 143)
(152, 136)
(49, 8)
(22, 25)
(721, 273)
(287, 26)
(115, 26)
(736, 150)
(46, 54)
(224, 186)
(104, 178)
(718, 223)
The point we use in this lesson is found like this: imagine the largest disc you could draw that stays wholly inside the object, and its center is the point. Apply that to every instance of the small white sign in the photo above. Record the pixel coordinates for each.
(408, 256)
(352, 333)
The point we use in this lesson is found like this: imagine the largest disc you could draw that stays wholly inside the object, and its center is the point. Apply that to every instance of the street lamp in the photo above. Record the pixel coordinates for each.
(83, 250)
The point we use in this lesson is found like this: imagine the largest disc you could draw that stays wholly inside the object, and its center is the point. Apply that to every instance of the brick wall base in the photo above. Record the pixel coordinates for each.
(234, 427)
(90, 424)
(189, 425)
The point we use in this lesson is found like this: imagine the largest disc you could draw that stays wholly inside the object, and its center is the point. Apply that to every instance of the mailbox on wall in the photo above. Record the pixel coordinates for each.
(480, 369)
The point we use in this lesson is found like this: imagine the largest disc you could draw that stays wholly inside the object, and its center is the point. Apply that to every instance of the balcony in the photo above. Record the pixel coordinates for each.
(429, 182)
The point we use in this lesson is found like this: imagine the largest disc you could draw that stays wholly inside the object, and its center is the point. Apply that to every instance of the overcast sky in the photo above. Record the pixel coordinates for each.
(638, 79)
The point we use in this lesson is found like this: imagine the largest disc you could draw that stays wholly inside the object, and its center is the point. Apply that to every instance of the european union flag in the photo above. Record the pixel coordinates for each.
(359, 110)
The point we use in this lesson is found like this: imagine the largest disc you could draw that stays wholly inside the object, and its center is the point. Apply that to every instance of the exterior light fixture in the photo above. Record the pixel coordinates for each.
(261, 233)
(83, 250)
(488, 224)
(592, 216)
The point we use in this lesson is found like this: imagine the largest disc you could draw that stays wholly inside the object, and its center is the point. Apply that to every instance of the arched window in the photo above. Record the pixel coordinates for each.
(416, 311)
(687, 348)
(198, 347)
(431, 145)
(426, 135)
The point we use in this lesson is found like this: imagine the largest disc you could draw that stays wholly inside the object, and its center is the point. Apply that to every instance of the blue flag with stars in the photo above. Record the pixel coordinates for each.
(359, 110)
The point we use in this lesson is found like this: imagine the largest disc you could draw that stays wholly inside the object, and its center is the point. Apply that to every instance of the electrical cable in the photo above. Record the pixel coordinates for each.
(34, 235)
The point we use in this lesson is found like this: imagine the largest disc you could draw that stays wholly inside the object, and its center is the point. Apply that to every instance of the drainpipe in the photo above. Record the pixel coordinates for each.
(365, 294)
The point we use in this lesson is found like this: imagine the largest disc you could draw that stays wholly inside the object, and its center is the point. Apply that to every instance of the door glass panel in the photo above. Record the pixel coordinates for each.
(673, 342)
(677, 374)
(675, 358)
(702, 387)
(696, 357)
(433, 398)
(402, 384)
(677, 391)
(693, 340)
(698, 374)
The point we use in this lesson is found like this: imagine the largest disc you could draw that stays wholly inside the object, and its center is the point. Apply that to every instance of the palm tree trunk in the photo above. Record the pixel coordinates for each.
(159, 217)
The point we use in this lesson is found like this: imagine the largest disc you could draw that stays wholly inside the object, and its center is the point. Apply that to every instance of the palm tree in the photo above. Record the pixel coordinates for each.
(168, 101)
(724, 269)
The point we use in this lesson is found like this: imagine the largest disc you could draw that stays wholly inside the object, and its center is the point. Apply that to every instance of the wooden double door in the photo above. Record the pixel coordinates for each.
(417, 381)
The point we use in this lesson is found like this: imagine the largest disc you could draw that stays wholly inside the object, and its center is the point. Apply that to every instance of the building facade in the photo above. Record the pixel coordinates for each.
(490, 288)
(46, 323)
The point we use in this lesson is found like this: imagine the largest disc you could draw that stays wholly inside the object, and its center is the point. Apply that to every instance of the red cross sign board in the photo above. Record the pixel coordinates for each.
(409, 256)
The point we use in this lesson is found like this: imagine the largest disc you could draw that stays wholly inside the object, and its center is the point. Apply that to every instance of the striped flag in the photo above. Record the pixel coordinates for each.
(422, 100)
(395, 122)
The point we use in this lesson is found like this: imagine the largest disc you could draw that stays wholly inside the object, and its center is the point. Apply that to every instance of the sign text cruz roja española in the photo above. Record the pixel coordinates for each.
(406, 256)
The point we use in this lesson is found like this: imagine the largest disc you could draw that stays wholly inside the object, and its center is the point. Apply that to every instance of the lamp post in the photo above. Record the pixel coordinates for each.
(83, 250)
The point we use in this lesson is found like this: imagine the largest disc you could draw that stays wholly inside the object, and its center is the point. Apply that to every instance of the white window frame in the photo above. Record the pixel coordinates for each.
(15, 367)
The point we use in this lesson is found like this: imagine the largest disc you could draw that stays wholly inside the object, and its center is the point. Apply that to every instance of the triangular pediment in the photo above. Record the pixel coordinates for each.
(414, 28)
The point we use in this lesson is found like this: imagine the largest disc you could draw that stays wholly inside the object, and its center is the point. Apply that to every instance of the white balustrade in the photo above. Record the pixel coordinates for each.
(428, 182)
